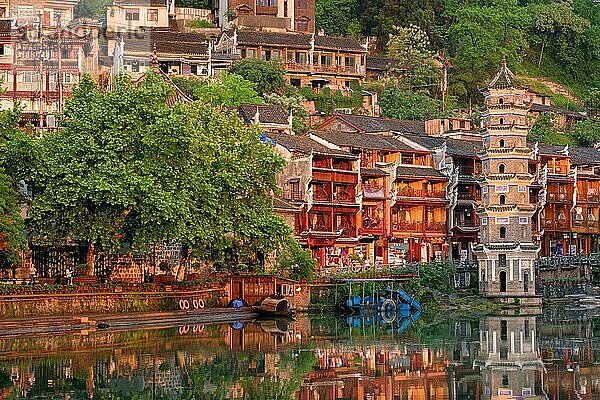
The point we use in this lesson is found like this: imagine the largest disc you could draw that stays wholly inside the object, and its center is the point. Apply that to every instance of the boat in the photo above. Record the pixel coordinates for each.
(275, 306)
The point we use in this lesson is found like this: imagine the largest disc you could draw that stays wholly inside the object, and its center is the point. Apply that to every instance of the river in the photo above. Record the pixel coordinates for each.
(555, 355)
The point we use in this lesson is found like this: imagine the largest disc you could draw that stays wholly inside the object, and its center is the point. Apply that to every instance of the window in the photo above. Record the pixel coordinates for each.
(463, 124)
(504, 380)
(30, 77)
(350, 61)
(326, 59)
(152, 15)
(132, 15)
(523, 220)
(301, 57)
(250, 53)
(302, 4)
(266, 3)
(295, 82)
(503, 330)
(500, 100)
(502, 199)
(502, 261)
(484, 221)
(2, 52)
(302, 26)
(502, 233)
(501, 143)
(502, 221)
(501, 121)
(265, 55)
(501, 168)
(275, 54)
(67, 77)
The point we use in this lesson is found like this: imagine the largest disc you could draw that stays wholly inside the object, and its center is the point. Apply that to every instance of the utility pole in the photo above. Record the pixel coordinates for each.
(59, 72)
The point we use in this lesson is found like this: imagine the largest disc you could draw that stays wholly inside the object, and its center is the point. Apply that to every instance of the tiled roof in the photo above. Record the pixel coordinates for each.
(420, 172)
(462, 148)
(373, 172)
(338, 43)
(373, 124)
(382, 63)
(282, 205)
(255, 38)
(550, 149)
(363, 140)
(429, 142)
(306, 145)
(154, 3)
(168, 43)
(267, 113)
(543, 108)
(584, 155)
(296, 40)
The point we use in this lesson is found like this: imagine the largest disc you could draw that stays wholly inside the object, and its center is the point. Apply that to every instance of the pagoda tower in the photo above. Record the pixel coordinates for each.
(506, 251)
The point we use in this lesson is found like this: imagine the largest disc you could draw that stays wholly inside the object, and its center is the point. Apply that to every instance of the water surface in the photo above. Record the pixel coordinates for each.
(555, 355)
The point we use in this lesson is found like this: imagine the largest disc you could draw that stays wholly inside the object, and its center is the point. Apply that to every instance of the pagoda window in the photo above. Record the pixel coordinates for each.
(500, 100)
(502, 199)
(501, 168)
(501, 123)
(502, 233)
(501, 142)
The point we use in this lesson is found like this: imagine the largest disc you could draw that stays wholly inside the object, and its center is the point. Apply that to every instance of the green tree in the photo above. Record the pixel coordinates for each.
(193, 3)
(586, 133)
(478, 38)
(338, 17)
(401, 104)
(266, 75)
(228, 90)
(91, 9)
(128, 169)
(17, 154)
(544, 131)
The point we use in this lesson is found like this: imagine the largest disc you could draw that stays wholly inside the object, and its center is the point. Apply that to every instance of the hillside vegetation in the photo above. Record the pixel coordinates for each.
(559, 40)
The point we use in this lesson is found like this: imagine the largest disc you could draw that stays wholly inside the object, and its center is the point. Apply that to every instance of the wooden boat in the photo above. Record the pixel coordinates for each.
(274, 306)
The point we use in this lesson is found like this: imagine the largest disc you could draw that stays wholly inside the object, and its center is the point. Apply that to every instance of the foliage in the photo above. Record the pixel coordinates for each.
(402, 104)
(338, 17)
(193, 3)
(200, 23)
(437, 275)
(227, 90)
(17, 151)
(266, 75)
(128, 169)
(91, 9)
(586, 133)
(295, 261)
(544, 131)
(293, 104)
(327, 101)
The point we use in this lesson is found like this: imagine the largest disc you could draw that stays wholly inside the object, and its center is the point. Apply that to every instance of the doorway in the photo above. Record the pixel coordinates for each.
(502, 281)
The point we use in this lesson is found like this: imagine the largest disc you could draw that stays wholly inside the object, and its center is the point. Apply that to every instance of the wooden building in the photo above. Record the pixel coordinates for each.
(309, 60)
(270, 15)
(324, 183)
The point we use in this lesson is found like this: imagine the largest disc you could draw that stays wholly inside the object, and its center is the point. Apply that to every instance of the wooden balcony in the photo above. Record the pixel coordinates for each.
(561, 198)
(321, 195)
(588, 197)
(469, 196)
(346, 231)
(556, 225)
(585, 225)
(423, 194)
(373, 192)
(466, 223)
(372, 224)
(419, 226)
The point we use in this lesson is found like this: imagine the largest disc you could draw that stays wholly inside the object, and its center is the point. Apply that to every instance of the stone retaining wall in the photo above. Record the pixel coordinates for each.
(98, 303)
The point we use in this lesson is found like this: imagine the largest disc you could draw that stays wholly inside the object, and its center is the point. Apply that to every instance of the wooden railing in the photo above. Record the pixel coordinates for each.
(556, 197)
(374, 192)
(468, 196)
(419, 226)
(411, 192)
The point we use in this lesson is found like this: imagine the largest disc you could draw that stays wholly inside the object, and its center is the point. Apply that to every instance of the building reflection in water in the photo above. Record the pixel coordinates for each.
(495, 357)
(508, 360)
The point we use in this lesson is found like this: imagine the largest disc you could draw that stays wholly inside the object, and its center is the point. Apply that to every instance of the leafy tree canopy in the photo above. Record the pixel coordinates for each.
(401, 104)
(128, 169)
(228, 90)
(266, 75)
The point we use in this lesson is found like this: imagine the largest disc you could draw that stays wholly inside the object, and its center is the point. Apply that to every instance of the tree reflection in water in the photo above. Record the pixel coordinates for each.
(324, 358)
